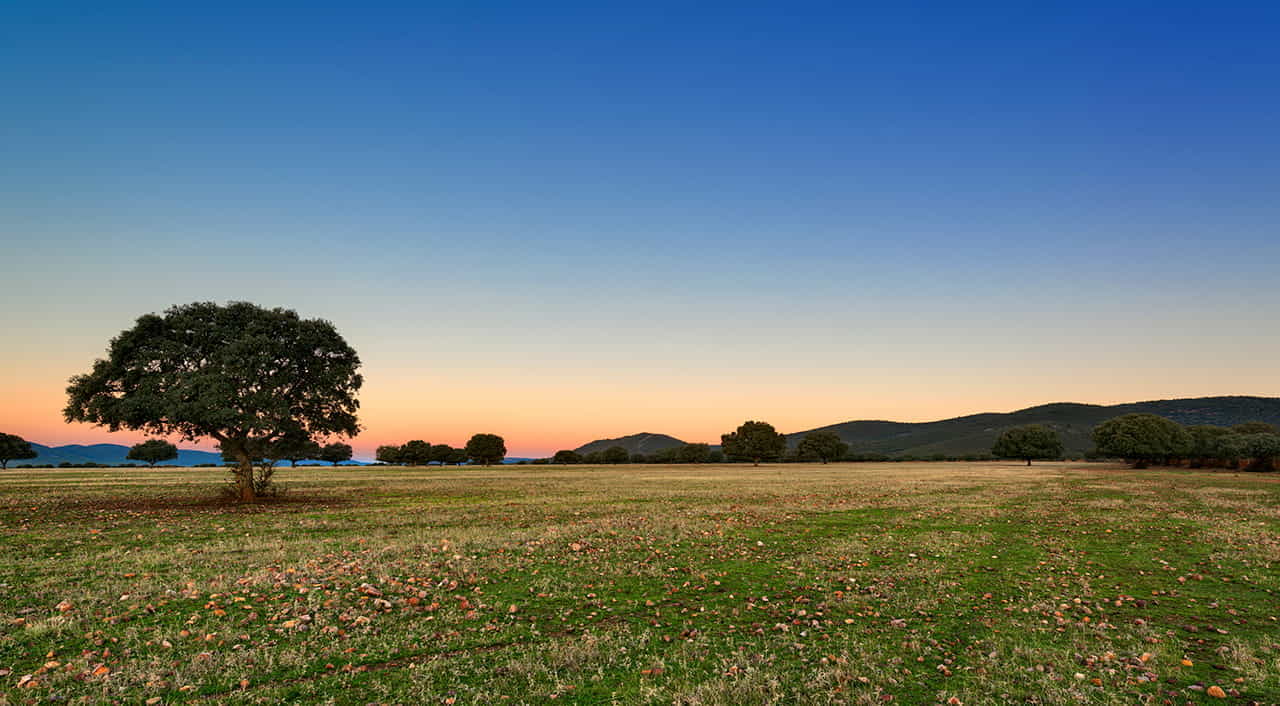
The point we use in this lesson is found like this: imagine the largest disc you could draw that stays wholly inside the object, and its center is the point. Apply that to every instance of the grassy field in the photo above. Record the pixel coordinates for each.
(850, 583)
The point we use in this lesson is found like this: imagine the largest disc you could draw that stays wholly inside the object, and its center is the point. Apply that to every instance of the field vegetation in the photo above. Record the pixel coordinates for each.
(979, 583)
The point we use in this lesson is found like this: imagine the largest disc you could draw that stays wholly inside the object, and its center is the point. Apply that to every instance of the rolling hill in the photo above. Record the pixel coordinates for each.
(974, 434)
(113, 454)
(644, 443)
(1074, 422)
(108, 454)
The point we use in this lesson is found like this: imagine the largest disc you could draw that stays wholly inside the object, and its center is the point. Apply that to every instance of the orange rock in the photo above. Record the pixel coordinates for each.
(1216, 692)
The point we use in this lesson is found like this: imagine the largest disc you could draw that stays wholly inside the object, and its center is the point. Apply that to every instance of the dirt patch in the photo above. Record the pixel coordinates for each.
(216, 503)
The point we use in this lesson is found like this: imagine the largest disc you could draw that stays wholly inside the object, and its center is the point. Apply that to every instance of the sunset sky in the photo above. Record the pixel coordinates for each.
(565, 221)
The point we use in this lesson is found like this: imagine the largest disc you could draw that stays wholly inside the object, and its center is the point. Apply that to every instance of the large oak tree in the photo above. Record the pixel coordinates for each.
(231, 373)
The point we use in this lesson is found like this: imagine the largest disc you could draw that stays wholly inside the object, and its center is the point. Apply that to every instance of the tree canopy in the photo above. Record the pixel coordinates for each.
(14, 448)
(566, 456)
(693, 453)
(293, 447)
(1255, 428)
(486, 449)
(418, 453)
(335, 453)
(616, 454)
(415, 453)
(388, 454)
(153, 451)
(1261, 449)
(1033, 442)
(440, 453)
(822, 445)
(229, 373)
(1206, 444)
(754, 441)
(1142, 439)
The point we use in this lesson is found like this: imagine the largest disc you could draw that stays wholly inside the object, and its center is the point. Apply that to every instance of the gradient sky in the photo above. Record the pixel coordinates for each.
(563, 221)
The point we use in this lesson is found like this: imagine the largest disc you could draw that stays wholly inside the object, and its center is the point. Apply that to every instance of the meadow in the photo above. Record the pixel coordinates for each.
(950, 583)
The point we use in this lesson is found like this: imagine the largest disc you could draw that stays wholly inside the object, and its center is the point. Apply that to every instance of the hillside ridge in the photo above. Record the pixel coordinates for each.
(644, 443)
(974, 434)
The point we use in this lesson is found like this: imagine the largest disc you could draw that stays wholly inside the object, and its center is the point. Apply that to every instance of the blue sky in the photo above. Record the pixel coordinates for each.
(597, 192)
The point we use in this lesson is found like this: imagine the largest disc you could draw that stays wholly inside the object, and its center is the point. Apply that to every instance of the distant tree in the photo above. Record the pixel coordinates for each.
(1260, 449)
(440, 453)
(229, 373)
(335, 453)
(823, 445)
(716, 456)
(1206, 444)
(457, 456)
(616, 454)
(671, 454)
(638, 457)
(293, 447)
(389, 454)
(153, 451)
(14, 448)
(1031, 442)
(593, 457)
(565, 456)
(693, 453)
(415, 453)
(756, 441)
(486, 449)
(1142, 439)
(1255, 428)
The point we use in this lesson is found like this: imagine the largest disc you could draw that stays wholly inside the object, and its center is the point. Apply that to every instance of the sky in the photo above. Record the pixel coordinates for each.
(565, 221)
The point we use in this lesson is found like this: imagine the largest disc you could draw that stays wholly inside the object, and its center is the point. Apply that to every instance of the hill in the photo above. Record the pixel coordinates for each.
(644, 443)
(108, 454)
(974, 434)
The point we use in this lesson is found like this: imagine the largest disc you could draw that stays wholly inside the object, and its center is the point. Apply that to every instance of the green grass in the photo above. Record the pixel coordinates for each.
(856, 584)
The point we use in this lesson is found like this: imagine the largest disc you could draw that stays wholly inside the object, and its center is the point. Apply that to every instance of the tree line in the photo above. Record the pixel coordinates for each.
(1139, 439)
(752, 441)
(483, 449)
(1144, 440)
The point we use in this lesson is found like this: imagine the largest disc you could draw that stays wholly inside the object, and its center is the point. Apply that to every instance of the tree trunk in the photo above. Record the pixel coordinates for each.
(756, 462)
(1028, 462)
(243, 472)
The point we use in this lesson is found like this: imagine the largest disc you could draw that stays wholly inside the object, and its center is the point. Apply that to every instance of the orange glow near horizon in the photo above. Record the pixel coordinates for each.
(537, 417)
(542, 395)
